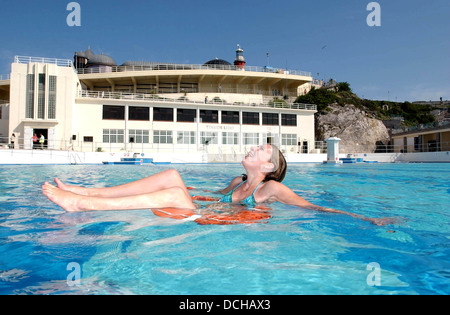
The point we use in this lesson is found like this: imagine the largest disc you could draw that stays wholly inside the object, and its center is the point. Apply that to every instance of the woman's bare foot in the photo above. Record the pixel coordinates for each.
(65, 199)
(75, 189)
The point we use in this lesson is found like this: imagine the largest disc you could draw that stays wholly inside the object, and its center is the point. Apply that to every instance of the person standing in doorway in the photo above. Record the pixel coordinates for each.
(41, 141)
(35, 141)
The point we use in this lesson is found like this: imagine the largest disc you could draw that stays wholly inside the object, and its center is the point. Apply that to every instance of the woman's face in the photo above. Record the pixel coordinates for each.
(258, 156)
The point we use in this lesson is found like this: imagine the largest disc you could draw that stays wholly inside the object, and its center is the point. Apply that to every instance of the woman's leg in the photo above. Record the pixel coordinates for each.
(164, 180)
(171, 197)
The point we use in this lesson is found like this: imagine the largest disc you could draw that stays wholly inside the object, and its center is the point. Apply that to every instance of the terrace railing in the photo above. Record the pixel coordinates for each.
(150, 66)
(215, 101)
(96, 146)
(55, 61)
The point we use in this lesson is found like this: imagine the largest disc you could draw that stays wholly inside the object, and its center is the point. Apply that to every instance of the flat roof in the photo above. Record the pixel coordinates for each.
(444, 128)
(214, 75)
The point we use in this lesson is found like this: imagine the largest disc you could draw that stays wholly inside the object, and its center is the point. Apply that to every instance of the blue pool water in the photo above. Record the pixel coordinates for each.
(44, 250)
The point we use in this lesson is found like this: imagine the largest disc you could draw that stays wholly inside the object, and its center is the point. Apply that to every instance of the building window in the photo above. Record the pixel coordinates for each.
(271, 138)
(111, 112)
(30, 96)
(230, 117)
(139, 113)
(162, 114)
(162, 137)
(251, 138)
(138, 136)
(46, 97)
(270, 119)
(289, 139)
(52, 97)
(250, 118)
(185, 137)
(288, 120)
(88, 139)
(186, 87)
(41, 96)
(168, 87)
(186, 115)
(209, 116)
(209, 138)
(113, 136)
(230, 138)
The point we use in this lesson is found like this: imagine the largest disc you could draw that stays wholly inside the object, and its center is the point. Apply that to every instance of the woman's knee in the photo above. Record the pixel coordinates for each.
(179, 197)
(172, 174)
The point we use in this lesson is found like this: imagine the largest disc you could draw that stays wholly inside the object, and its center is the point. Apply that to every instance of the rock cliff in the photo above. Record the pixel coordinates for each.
(358, 130)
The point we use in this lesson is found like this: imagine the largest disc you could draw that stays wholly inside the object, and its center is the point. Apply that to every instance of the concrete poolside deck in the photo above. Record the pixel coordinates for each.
(51, 157)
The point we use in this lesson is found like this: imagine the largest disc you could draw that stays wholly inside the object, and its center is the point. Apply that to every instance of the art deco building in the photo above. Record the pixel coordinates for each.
(93, 104)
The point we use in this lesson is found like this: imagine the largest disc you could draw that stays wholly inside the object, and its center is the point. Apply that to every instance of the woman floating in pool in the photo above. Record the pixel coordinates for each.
(166, 191)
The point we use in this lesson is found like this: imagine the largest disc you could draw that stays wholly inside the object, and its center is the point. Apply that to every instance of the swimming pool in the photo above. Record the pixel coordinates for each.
(44, 250)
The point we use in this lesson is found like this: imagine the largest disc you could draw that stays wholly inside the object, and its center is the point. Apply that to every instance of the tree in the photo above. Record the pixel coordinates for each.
(344, 86)
(322, 98)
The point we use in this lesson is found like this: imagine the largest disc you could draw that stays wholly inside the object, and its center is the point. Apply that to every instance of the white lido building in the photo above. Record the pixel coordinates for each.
(91, 104)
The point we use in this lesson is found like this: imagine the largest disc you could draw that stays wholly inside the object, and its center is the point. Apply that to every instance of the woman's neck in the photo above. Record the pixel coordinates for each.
(253, 180)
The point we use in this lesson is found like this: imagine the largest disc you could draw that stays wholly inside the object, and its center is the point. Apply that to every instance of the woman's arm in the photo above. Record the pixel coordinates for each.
(282, 193)
(234, 182)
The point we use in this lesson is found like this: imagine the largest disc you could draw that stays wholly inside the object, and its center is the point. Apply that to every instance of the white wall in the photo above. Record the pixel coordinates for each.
(87, 121)
(67, 84)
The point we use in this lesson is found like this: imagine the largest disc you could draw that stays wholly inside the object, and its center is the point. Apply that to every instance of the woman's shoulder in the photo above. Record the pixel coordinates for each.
(236, 181)
(274, 191)
(232, 185)
(272, 184)
(271, 188)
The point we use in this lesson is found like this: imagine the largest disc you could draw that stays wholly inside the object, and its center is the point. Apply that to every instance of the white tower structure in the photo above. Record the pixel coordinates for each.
(333, 151)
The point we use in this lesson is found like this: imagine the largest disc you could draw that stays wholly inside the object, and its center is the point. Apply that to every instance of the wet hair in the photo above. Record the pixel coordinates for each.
(280, 168)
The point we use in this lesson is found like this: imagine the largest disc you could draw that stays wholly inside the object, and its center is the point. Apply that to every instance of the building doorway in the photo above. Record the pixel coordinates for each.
(305, 147)
(38, 133)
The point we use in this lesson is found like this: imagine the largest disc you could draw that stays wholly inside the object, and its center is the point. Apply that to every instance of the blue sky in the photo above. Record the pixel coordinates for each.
(407, 58)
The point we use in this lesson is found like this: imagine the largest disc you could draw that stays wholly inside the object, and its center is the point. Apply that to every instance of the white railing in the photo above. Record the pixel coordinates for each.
(214, 101)
(55, 61)
(5, 77)
(151, 66)
(319, 147)
(82, 146)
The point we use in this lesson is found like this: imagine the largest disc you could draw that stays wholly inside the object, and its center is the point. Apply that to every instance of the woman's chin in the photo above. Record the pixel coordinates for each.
(246, 162)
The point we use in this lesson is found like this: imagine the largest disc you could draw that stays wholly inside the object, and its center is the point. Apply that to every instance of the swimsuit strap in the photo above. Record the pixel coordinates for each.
(258, 187)
(228, 198)
(244, 182)
(238, 186)
(250, 200)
